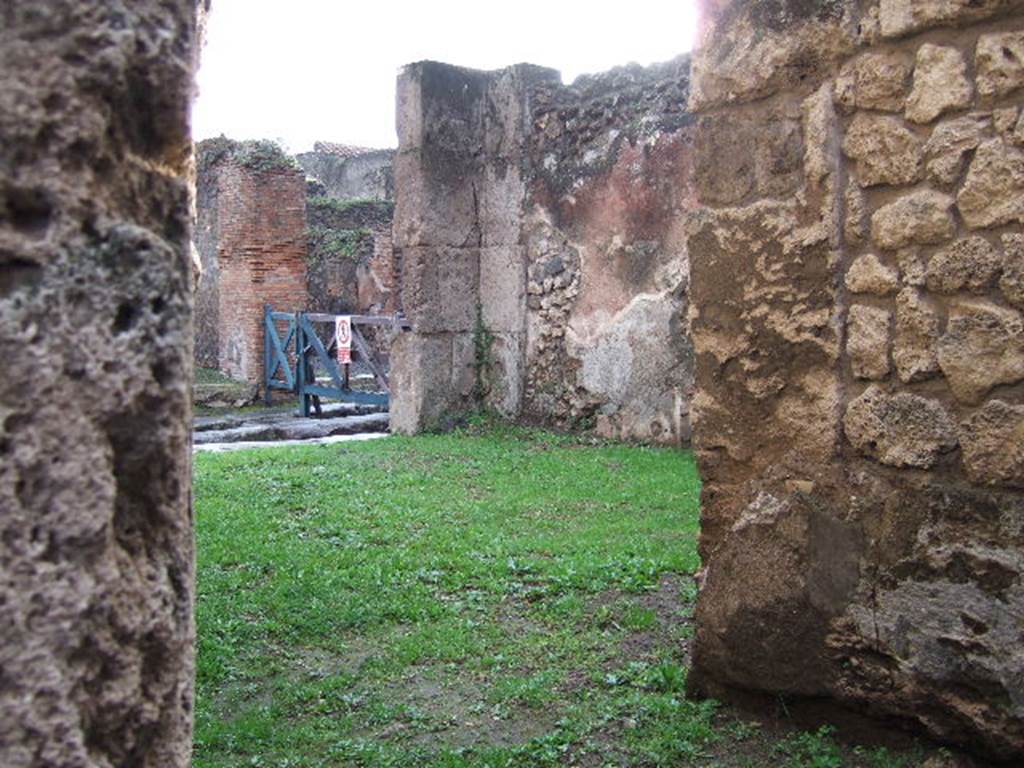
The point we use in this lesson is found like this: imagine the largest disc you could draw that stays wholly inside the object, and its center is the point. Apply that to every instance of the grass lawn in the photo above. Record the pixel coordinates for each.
(494, 598)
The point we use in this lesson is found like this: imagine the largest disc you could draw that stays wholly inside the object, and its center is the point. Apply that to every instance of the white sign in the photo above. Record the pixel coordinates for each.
(343, 338)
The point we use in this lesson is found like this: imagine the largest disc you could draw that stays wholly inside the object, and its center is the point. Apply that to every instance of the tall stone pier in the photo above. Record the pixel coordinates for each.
(96, 560)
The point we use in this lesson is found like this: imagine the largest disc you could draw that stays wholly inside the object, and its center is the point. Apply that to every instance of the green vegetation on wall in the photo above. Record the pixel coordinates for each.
(326, 242)
(254, 154)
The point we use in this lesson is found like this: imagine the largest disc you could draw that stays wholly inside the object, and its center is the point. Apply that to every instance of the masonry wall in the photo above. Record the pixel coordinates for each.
(350, 260)
(261, 257)
(856, 313)
(351, 173)
(96, 555)
(607, 269)
(536, 226)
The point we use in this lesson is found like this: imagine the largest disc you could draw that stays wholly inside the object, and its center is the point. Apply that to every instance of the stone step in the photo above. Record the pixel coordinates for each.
(292, 428)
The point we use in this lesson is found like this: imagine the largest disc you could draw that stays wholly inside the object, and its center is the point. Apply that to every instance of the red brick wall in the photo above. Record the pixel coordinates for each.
(261, 255)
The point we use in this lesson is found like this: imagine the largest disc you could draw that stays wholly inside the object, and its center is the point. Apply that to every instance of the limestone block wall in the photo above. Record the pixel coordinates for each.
(96, 557)
(539, 231)
(857, 319)
(437, 241)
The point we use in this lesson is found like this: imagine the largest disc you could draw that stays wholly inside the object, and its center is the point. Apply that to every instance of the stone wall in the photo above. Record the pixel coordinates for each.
(607, 268)
(544, 270)
(96, 560)
(350, 259)
(856, 315)
(349, 173)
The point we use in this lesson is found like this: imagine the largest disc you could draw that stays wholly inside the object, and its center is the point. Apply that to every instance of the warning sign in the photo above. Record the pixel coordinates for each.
(343, 338)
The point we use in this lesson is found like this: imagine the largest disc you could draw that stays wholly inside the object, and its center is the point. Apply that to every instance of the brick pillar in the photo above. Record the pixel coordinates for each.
(261, 258)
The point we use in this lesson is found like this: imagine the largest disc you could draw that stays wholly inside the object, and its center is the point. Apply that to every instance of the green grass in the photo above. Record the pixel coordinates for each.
(499, 598)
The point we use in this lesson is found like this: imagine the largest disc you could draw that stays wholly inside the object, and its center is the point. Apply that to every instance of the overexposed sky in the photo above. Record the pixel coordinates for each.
(303, 70)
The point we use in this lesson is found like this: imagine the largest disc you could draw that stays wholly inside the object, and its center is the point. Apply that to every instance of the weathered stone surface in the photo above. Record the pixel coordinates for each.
(917, 328)
(821, 139)
(867, 341)
(431, 186)
(901, 17)
(431, 380)
(951, 620)
(855, 228)
(96, 550)
(912, 267)
(983, 347)
(920, 218)
(993, 192)
(901, 430)
(752, 50)
(876, 80)
(1012, 281)
(502, 288)
(734, 158)
(634, 368)
(948, 146)
(1004, 120)
(940, 83)
(999, 60)
(440, 288)
(992, 441)
(885, 151)
(971, 264)
(869, 275)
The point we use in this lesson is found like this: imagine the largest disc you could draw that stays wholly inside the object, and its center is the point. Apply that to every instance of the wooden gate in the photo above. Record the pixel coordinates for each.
(311, 369)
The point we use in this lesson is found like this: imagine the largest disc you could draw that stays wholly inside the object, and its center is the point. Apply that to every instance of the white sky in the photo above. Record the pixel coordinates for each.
(302, 70)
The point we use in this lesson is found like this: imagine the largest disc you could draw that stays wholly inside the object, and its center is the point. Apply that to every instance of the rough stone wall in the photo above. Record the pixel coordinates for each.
(351, 172)
(856, 315)
(350, 259)
(607, 270)
(538, 229)
(96, 558)
(261, 258)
